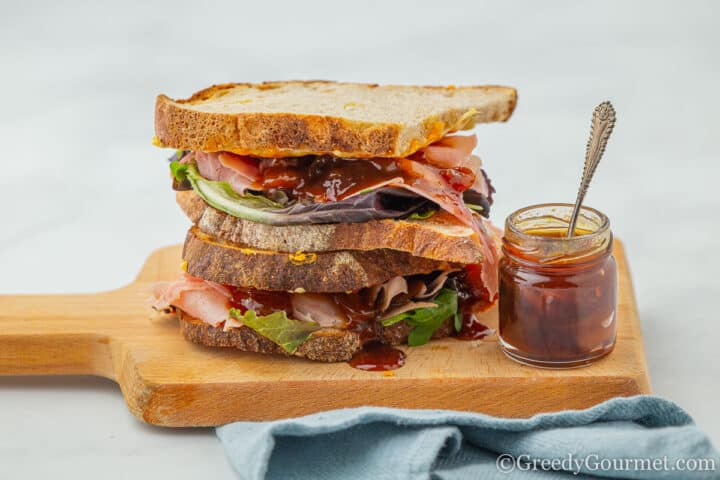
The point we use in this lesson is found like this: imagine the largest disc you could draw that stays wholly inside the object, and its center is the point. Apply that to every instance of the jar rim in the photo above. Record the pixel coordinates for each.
(553, 248)
(603, 221)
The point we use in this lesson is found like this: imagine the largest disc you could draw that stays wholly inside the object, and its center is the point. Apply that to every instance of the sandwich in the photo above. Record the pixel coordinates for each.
(330, 216)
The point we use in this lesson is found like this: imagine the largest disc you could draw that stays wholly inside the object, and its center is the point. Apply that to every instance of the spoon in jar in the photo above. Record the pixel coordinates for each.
(603, 121)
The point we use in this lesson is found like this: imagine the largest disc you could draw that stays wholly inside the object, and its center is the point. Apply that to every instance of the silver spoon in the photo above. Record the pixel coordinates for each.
(603, 121)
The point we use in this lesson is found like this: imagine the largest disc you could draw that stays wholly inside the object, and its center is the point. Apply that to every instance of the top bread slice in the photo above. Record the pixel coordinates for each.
(295, 118)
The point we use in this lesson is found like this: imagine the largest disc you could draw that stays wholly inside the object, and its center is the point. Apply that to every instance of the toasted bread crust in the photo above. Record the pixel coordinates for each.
(440, 237)
(340, 271)
(270, 135)
(326, 345)
(185, 124)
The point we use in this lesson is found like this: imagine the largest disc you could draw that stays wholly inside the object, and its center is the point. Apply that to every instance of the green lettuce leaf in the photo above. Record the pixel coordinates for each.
(284, 331)
(261, 209)
(179, 170)
(426, 320)
(423, 214)
(477, 208)
(221, 195)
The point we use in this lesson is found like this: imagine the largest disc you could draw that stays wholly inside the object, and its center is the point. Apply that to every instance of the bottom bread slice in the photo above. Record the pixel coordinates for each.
(326, 345)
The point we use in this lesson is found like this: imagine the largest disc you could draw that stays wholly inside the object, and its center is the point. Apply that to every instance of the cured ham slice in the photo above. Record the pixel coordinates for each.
(490, 238)
(481, 183)
(317, 307)
(406, 308)
(206, 301)
(244, 166)
(240, 172)
(434, 287)
(450, 152)
(390, 289)
(462, 143)
(430, 185)
(426, 181)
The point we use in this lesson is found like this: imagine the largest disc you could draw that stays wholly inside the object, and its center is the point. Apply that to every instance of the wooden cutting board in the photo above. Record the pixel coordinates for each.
(169, 381)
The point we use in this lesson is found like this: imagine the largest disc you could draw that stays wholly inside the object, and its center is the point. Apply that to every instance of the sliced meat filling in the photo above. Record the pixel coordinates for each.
(442, 173)
(211, 302)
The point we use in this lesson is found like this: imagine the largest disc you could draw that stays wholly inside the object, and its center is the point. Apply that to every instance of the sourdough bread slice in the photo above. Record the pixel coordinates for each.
(337, 271)
(293, 118)
(440, 237)
(326, 345)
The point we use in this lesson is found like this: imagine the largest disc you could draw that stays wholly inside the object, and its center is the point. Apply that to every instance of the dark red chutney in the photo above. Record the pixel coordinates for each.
(330, 179)
(558, 296)
(378, 357)
(361, 313)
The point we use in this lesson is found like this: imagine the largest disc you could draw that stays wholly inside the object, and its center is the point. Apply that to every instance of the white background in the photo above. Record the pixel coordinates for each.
(85, 197)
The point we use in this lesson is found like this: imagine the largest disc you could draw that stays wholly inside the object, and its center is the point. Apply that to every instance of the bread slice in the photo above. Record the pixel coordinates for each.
(338, 271)
(326, 345)
(440, 237)
(294, 118)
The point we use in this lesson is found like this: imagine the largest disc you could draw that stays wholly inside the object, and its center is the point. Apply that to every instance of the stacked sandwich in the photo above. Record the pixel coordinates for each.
(330, 215)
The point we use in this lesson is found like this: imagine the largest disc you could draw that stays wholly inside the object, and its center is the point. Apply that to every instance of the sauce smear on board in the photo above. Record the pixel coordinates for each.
(378, 357)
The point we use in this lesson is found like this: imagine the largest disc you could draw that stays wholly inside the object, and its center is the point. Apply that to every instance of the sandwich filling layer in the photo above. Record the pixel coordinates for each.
(323, 189)
(422, 302)
(445, 174)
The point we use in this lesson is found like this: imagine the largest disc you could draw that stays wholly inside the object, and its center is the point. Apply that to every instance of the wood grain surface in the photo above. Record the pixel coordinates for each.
(168, 381)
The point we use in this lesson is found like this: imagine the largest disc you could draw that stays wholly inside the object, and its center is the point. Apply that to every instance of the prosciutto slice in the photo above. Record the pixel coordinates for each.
(432, 185)
(209, 302)
(451, 152)
(427, 182)
(391, 289)
(240, 172)
(206, 301)
(413, 305)
(490, 238)
(434, 287)
(316, 307)
(481, 183)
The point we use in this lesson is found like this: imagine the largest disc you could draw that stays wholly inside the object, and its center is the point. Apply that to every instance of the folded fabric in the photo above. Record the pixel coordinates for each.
(639, 437)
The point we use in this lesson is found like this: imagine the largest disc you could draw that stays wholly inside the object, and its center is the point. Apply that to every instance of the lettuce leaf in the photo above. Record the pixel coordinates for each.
(179, 170)
(478, 208)
(377, 204)
(277, 327)
(426, 320)
(475, 200)
(221, 195)
(422, 214)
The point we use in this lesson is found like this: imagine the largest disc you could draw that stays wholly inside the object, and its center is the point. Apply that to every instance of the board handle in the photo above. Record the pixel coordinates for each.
(55, 335)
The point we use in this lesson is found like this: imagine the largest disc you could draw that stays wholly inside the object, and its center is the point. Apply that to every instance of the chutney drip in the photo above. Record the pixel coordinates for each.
(378, 357)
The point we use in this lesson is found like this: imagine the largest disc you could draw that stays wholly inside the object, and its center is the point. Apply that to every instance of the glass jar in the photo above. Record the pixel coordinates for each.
(558, 295)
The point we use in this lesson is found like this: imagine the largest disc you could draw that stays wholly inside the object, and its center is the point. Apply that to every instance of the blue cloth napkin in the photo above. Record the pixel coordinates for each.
(384, 443)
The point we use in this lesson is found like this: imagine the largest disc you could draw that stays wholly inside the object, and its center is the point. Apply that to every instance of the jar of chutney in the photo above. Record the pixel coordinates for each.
(558, 294)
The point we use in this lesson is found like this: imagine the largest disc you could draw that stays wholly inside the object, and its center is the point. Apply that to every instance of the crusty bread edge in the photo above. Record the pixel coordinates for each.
(286, 134)
(326, 345)
(218, 261)
(410, 236)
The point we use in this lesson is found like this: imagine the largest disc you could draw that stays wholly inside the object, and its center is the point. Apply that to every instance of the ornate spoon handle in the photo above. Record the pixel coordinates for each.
(603, 121)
